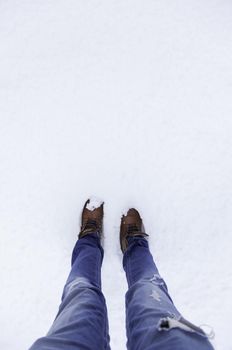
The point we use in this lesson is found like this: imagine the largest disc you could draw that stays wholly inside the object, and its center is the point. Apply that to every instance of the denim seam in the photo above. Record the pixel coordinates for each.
(130, 269)
(106, 344)
(99, 270)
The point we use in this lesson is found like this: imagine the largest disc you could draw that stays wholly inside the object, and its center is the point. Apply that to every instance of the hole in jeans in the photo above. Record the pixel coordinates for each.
(168, 323)
(156, 279)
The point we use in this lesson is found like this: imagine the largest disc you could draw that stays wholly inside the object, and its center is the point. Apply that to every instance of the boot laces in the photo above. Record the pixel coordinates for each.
(132, 228)
(91, 224)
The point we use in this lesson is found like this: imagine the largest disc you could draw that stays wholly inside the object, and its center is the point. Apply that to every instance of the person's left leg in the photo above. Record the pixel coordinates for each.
(81, 322)
(152, 320)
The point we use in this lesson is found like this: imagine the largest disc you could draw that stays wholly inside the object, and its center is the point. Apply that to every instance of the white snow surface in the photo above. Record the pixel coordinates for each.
(129, 101)
(94, 203)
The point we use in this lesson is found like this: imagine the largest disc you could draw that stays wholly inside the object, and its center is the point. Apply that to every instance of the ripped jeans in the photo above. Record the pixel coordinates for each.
(152, 321)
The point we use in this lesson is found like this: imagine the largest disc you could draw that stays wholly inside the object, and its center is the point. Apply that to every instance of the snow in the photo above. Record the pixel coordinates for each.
(94, 203)
(129, 101)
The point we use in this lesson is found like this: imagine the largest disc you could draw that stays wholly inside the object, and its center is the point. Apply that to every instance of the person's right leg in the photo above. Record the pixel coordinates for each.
(152, 320)
(81, 322)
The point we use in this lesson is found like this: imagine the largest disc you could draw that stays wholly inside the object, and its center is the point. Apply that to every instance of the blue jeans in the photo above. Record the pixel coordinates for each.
(152, 321)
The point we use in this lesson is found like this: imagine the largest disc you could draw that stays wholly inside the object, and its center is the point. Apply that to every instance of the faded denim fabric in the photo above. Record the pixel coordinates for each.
(82, 322)
(148, 302)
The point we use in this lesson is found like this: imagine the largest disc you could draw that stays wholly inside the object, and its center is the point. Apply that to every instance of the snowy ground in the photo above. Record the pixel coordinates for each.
(129, 101)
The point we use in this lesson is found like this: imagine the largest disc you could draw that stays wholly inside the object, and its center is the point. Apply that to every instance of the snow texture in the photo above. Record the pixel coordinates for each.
(94, 203)
(129, 101)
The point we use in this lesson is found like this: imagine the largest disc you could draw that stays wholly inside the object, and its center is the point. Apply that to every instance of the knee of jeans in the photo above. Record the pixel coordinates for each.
(151, 292)
(75, 284)
(80, 285)
(157, 280)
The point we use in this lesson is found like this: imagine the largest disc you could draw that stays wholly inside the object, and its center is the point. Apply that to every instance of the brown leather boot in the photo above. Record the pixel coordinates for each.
(91, 221)
(131, 226)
